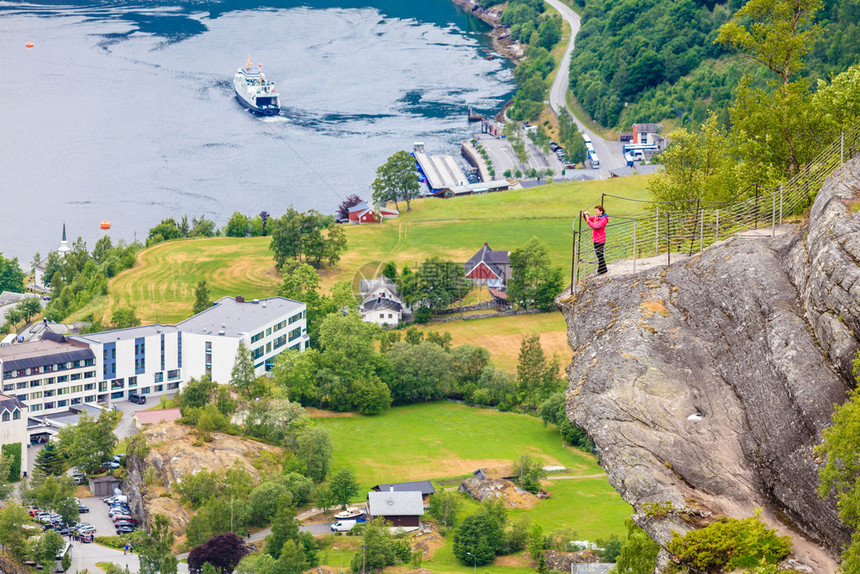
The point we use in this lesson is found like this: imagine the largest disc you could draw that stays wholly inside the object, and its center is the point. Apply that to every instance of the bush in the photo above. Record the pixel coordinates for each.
(730, 544)
(13, 450)
(117, 542)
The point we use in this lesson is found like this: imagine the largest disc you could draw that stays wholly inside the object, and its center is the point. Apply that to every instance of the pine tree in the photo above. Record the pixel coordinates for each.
(49, 461)
(201, 298)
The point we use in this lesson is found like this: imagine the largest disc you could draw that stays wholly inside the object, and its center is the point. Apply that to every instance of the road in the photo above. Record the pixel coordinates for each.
(610, 153)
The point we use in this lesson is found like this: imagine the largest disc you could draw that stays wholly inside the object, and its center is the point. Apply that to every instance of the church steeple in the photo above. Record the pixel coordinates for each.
(64, 245)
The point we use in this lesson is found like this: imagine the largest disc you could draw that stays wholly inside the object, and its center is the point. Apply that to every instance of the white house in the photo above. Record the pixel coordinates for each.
(268, 327)
(13, 425)
(380, 301)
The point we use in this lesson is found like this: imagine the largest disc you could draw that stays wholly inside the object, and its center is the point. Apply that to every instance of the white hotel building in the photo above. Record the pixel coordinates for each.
(49, 376)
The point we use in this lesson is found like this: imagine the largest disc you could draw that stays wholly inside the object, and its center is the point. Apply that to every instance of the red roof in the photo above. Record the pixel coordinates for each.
(152, 417)
(482, 271)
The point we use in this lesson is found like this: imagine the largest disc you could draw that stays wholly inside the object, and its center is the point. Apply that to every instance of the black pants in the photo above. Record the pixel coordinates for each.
(601, 260)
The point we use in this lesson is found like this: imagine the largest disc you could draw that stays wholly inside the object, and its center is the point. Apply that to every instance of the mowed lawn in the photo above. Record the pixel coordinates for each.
(502, 335)
(443, 440)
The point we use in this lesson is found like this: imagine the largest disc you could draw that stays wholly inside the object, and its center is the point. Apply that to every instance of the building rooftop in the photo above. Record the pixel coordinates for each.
(422, 486)
(236, 318)
(395, 503)
(10, 403)
(122, 334)
(40, 353)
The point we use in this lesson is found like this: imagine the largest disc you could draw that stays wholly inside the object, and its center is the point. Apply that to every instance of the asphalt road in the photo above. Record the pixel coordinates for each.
(609, 152)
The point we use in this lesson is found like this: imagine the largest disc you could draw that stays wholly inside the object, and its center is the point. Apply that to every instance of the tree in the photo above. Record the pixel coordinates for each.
(639, 553)
(344, 486)
(29, 307)
(55, 493)
(201, 298)
(155, 547)
(11, 275)
(223, 551)
(44, 549)
(528, 472)
(293, 559)
(396, 179)
(342, 211)
(124, 317)
(478, 538)
(90, 442)
(196, 394)
(243, 377)
(774, 33)
(421, 372)
(50, 461)
(537, 377)
(164, 231)
(315, 449)
(237, 226)
(696, 166)
(284, 527)
(13, 517)
(841, 472)
(10, 467)
(533, 282)
(370, 396)
(380, 549)
(445, 506)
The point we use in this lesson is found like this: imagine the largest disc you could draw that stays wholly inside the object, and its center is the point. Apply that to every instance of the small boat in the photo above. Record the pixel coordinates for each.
(475, 116)
(105, 225)
(29, 44)
(490, 57)
(349, 514)
(255, 92)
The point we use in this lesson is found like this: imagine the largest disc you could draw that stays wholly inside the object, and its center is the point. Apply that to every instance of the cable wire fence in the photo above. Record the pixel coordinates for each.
(670, 231)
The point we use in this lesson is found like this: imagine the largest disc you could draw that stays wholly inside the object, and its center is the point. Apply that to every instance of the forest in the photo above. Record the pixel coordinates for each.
(647, 61)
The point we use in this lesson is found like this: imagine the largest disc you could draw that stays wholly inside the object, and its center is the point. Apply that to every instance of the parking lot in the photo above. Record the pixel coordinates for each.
(98, 516)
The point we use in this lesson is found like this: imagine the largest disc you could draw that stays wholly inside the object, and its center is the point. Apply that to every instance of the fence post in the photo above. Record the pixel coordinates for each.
(718, 226)
(842, 148)
(702, 232)
(781, 201)
(773, 215)
(634, 246)
(668, 241)
(657, 233)
(695, 225)
(756, 206)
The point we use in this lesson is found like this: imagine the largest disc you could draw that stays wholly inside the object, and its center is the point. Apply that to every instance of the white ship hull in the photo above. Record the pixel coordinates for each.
(254, 92)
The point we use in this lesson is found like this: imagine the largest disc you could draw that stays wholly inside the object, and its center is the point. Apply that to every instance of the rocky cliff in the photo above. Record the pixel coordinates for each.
(174, 451)
(707, 383)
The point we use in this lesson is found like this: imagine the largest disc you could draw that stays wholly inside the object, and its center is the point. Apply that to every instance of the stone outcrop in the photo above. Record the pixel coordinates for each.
(174, 451)
(705, 385)
(492, 488)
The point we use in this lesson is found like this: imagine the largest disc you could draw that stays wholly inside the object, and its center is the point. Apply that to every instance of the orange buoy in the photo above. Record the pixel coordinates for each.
(105, 225)
(29, 44)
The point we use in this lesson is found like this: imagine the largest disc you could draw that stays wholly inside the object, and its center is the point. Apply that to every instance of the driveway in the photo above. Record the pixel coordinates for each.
(610, 152)
(126, 427)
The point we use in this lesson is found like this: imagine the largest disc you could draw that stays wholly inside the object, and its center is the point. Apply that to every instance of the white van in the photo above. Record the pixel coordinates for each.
(343, 525)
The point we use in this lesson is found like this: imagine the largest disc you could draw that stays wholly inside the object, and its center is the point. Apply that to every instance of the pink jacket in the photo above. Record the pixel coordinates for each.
(598, 226)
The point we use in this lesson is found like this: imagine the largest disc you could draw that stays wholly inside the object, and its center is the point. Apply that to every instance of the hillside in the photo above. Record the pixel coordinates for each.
(719, 374)
(650, 61)
(162, 285)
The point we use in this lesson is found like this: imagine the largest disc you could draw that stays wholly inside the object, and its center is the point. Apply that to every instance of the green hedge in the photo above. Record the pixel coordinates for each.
(13, 450)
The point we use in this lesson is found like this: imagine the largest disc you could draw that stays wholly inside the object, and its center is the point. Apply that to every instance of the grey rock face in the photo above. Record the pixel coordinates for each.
(707, 383)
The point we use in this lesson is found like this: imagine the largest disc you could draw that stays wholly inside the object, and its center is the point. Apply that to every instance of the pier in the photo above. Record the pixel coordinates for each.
(442, 171)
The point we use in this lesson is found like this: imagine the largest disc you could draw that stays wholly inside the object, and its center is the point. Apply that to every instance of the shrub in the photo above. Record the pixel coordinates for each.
(730, 544)
(13, 450)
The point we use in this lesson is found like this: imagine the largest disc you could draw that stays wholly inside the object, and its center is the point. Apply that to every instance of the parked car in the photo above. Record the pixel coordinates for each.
(118, 511)
(83, 509)
(86, 529)
(343, 526)
(110, 464)
(117, 499)
(125, 529)
(135, 398)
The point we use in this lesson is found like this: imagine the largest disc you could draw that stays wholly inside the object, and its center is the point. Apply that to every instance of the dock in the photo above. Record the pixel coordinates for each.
(442, 171)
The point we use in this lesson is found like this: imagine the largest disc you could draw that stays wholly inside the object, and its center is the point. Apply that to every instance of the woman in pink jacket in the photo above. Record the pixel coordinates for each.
(598, 234)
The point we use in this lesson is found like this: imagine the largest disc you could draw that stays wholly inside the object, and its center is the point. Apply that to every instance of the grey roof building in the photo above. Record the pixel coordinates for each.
(398, 508)
(425, 487)
(236, 317)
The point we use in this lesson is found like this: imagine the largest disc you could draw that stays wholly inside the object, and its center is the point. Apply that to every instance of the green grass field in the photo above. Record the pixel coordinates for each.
(445, 442)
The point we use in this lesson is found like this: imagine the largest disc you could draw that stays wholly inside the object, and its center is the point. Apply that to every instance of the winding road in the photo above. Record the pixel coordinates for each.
(609, 152)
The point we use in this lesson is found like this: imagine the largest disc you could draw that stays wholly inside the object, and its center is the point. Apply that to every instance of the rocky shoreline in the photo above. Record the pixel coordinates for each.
(500, 33)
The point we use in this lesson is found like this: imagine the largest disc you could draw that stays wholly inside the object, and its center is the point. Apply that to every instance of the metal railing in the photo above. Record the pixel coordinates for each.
(702, 223)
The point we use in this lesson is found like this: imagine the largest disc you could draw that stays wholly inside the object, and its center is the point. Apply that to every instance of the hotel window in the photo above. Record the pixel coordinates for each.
(50, 393)
(117, 395)
(62, 403)
(257, 353)
(295, 318)
(8, 387)
(171, 386)
(63, 391)
(256, 337)
(6, 417)
(90, 399)
(89, 362)
(16, 415)
(76, 376)
(132, 382)
(295, 333)
(145, 390)
(50, 381)
(90, 387)
(34, 408)
(159, 377)
(36, 395)
(268, 331)
(90, 375)
(76, 401)
(173, 375)
(179, 348)
(269, 347)
(49, 405)
(117, 384)
(22, 385)
(102, 386)
(159, 388)
(62, 378)
(34, 383)
(76, 388)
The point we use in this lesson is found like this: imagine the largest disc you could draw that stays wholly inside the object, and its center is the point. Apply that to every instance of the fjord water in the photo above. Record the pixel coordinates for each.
(124, 111)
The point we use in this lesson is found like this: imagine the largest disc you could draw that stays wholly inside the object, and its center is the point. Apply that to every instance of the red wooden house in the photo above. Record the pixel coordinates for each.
(362, 213)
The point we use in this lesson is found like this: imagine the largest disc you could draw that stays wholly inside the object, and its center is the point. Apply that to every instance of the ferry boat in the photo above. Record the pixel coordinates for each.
(254, 91)
(351, 513)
